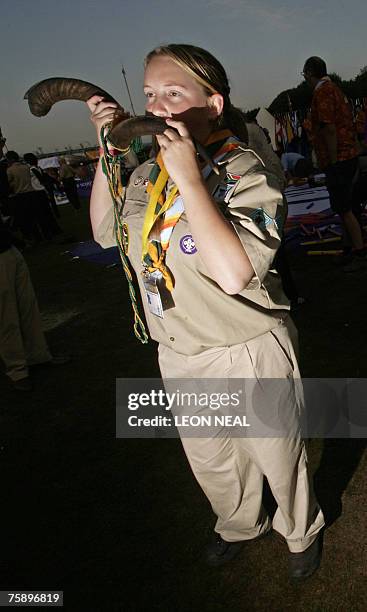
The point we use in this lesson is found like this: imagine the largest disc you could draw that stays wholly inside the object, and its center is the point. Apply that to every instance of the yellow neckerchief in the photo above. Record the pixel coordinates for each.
(164, 211)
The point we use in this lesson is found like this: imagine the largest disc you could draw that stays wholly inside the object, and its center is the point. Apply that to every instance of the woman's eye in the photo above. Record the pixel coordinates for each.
(149, 94)
(174, 94)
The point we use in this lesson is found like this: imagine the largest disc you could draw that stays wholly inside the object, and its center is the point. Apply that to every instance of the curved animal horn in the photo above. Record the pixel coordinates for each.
(122, 133)
(125, 131)
(43, 95)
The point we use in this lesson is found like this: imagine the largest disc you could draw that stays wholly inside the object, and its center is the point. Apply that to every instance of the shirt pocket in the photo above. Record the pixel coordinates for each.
(133, 208)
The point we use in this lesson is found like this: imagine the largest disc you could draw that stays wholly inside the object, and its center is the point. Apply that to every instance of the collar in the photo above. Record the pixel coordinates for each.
(321, 82)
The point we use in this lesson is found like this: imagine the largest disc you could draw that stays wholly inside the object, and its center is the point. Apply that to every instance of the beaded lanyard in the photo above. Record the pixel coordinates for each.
(111, 167)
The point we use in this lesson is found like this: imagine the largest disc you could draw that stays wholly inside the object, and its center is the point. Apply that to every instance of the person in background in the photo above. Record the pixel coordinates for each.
(46, 220)
(296, 167)
(49, 181)
(67, 176)
(22, 198)
(52, 183)
(337, 149)
(307, 131)
(22, 341)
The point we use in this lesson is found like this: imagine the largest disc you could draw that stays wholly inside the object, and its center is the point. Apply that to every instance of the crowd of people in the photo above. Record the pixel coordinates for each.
(26, 217)
(27, 196)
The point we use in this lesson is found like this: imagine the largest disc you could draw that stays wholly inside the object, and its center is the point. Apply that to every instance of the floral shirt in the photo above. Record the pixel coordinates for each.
(330, 106)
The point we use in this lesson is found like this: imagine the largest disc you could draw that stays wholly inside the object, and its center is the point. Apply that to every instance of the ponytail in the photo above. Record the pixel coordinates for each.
(234, 119)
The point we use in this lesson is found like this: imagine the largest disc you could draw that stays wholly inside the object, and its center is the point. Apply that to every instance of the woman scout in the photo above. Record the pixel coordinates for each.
(202, 247)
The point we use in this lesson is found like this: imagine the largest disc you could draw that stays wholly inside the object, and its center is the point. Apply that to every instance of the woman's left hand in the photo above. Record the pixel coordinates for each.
(179, 154)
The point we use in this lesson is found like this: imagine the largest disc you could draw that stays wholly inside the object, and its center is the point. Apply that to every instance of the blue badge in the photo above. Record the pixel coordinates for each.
(187, 245)
(261, 218)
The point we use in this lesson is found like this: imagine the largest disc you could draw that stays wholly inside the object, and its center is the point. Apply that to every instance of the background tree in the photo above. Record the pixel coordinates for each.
(299, 98)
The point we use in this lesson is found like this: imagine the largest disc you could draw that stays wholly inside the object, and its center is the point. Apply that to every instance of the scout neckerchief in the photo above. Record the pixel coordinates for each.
(165, 206)
(322, 82)
(218, 144)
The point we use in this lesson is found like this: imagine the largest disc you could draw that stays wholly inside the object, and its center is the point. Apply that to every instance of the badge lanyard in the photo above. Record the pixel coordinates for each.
(156, 275)
(111, 166)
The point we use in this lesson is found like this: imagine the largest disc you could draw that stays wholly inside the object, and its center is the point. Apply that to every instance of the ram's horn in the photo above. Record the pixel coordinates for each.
(43, 95)
(121, 134)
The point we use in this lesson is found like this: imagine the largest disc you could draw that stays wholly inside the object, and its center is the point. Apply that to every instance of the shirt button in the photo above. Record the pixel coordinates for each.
(172, 339)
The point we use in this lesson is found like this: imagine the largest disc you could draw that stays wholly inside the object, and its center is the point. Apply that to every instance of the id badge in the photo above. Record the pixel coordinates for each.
(150, 280)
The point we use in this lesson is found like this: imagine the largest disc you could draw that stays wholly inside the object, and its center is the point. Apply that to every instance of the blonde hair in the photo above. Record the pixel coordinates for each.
(210, 74)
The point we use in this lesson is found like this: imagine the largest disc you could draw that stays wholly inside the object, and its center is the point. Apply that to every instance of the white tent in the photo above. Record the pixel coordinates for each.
(267, 121)
(49, 162)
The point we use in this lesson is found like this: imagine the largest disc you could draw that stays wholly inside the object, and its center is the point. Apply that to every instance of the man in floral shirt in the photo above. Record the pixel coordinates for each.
(336, 147)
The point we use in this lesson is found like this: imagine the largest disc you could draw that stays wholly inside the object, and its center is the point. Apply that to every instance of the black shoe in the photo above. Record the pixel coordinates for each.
(304, 564)
(219, 551)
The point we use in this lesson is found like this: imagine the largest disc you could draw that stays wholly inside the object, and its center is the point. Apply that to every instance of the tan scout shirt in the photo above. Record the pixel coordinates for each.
(19, 177)
(257, 141)
(204, 316)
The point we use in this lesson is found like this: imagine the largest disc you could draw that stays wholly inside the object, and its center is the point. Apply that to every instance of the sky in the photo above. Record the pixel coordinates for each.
(261, 43)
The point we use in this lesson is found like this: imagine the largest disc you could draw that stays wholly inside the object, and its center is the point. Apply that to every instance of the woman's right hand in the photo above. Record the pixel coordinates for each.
(103, 112)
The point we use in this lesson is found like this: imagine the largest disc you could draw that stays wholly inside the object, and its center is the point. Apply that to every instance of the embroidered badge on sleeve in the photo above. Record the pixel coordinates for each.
(261, 218)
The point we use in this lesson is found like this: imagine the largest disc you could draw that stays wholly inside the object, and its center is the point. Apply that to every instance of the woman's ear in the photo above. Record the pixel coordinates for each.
(215, 104)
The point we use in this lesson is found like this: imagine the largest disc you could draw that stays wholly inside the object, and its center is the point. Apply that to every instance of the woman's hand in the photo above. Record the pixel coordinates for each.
(179, 154)
(103, 112)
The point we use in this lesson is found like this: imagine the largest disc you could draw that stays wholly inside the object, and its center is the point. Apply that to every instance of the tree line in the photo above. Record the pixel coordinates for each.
(299, 98)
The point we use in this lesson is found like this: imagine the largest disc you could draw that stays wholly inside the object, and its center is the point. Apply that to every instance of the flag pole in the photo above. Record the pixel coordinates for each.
(128, 90)
(3, 141)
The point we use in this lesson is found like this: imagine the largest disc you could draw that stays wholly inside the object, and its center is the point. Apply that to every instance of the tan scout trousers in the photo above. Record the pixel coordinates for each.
(22, 342)
(230, 470)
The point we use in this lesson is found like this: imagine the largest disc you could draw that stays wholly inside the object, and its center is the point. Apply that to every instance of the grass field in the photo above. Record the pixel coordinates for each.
(120, 525)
